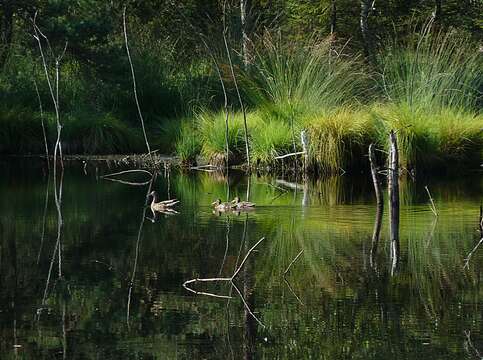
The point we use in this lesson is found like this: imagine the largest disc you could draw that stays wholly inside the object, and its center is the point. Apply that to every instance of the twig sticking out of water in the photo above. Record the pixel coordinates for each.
(226, 279)
(292, 262)
(286, 272)
(433, 207)
(470, 254)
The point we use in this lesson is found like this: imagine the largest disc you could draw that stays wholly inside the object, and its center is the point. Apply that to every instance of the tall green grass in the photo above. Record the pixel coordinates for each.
(431, 70)
(306, 77)
(212, 130)
(188, 144)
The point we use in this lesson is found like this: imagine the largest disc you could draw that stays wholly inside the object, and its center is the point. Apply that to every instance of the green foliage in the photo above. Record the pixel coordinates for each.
(21, 131)
(89, 133)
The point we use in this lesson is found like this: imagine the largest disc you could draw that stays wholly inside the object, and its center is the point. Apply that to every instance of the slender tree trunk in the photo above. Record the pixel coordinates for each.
(366, 7)
(134, 84)
(333, 17)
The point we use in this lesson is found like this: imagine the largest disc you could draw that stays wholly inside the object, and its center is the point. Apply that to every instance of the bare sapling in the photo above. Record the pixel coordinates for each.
(54, 92)
(235, 82)
(141, 118)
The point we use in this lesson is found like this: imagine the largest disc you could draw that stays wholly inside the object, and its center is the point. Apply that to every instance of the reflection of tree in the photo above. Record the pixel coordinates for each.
(137, 250)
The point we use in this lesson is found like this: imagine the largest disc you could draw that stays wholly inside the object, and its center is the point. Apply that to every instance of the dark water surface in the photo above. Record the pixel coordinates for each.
(117, 291)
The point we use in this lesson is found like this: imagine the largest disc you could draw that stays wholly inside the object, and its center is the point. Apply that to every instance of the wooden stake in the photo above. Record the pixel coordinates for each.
(379, 204)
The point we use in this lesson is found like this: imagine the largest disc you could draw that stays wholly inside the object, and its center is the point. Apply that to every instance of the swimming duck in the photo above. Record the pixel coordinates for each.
(242, 204)
(221, 206)
(162, 205)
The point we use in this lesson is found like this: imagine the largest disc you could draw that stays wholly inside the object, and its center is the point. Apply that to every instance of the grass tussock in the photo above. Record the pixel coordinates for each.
(338, 140)
(294, 79)
(432, 70)
(188, 144)
(270, 138)
(212, 132)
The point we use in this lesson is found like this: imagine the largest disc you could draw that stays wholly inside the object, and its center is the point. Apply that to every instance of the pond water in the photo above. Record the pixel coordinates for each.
(115, 288)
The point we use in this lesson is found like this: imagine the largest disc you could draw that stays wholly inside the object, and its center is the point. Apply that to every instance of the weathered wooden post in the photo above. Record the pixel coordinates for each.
(379, 204)
(393, 192)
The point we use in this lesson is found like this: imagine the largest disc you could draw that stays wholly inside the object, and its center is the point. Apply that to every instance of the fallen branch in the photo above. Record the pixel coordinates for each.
(226, 279)
(127, 172)
(288, 155)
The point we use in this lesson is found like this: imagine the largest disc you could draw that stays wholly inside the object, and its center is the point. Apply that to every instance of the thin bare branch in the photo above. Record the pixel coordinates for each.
(433, 207)
(127, 172)
(292, 262)
(246, 305)
(134, 83)
(246, 257)
(470, 254)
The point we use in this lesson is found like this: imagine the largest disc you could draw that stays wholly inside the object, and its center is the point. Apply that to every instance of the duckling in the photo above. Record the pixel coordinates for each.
(161, 206)
(240, 205)
(221, 206)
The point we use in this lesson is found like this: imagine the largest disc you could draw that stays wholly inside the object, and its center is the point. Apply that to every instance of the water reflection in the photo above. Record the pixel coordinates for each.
(121, 293)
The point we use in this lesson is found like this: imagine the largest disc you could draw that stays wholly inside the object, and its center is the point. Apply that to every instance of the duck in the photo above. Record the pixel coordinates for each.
(221, 206)
(161, 206)
(242, 204)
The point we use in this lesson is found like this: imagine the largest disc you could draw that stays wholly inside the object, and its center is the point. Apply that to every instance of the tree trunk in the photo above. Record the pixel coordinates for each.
(333, 17)
(364, 23)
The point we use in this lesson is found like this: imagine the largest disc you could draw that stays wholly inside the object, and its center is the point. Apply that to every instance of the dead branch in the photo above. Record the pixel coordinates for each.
(134, 83)
(127, 172)
(225, 279)
(246, 305)
(246, 257)
(292, 262)
(433, 207)
(43, 124)
(470, 254)
(291, 154)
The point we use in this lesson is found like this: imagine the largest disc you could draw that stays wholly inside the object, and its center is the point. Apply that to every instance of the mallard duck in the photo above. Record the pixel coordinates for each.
(242, 204)
(221, 206)
(161, 206)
